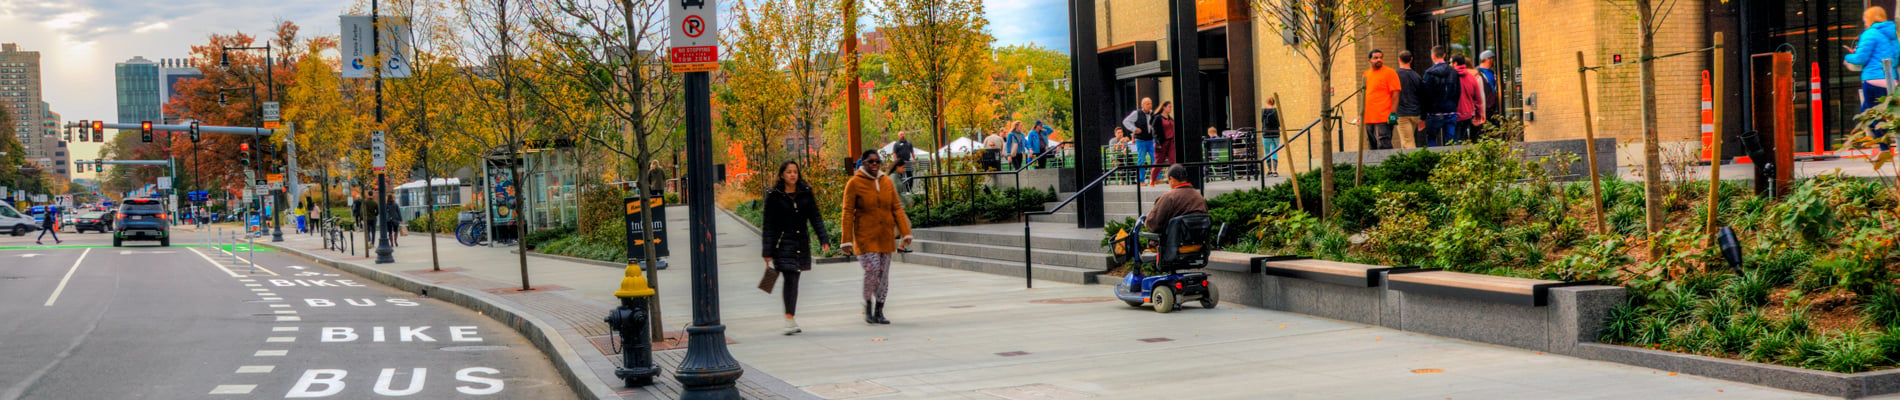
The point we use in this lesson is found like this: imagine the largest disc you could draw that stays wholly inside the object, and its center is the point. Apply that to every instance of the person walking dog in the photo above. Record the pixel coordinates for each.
(874, 222)
(791, 207)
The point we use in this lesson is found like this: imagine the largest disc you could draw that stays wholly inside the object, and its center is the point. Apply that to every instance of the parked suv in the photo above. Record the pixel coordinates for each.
(142, 219)
(96, 221)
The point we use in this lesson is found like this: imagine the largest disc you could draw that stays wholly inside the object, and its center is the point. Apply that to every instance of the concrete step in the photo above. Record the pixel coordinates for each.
(1067, 217)
(1039, 271)
(1083, 242)
(1085, 260)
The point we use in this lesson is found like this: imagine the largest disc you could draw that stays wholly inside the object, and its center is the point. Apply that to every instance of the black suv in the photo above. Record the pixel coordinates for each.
(142, 219)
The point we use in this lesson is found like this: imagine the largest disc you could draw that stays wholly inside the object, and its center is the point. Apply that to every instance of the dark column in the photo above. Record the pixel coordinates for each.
(1088, 94)
(1185, 55)
(1240, 83)
(709, 371)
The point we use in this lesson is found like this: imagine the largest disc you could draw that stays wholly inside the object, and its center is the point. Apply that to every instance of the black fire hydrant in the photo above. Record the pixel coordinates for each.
(630, 321)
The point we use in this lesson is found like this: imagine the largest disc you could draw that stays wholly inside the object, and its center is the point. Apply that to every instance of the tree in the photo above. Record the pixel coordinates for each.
(1650, 15)
(1029, 85)
(938, 59)
(1320, 30)
(749, 110)
(199, 99)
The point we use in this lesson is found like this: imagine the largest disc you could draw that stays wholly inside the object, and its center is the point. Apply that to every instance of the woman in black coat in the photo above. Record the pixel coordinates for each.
(790, 208)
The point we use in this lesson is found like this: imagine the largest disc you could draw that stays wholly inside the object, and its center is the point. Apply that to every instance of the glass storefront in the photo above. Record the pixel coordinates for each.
(1451, 23)
(1816, 32)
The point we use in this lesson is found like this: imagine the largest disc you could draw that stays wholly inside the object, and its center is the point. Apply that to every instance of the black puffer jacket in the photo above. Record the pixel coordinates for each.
(789, 220)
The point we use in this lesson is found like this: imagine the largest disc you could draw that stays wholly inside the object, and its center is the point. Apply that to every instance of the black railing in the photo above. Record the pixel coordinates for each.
(1015, 174)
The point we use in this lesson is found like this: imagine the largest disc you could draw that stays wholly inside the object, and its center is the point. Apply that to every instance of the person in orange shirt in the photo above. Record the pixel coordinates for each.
(1382, 89)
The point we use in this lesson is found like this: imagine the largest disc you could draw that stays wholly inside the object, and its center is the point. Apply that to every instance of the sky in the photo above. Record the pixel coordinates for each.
(80, 40)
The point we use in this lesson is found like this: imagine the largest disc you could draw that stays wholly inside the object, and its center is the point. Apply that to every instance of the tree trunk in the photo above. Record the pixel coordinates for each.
(1326, 135)
(1654, 213)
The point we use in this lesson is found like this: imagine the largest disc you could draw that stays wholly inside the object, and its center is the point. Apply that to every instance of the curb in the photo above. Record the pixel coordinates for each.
(572, 367)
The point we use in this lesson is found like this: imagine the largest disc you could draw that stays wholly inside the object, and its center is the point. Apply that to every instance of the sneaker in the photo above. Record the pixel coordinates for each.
(791, 327)
(38, 242)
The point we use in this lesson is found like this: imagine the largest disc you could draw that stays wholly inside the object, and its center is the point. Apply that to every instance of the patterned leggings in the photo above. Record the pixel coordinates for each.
(877, 275)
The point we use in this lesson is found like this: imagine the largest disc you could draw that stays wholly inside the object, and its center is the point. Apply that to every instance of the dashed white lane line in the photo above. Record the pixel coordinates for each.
(214, 263)
(288, 319)
(279, 305)
(273, 299)
(256, 369)
(283, 329)
(69, 277)
(266, 294)
(286, 311)
(233, 389)
(259, 289)
(271, 353)
(281, 339)
(246, 280)
(253, 285)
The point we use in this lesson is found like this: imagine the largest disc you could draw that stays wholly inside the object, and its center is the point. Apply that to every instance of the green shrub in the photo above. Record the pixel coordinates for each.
(539, 237)
(445, 221)
(1770, 347)
(1750, 288)
(1882, 307)
(1849, 352)
(1623, 325)
(1807, 212)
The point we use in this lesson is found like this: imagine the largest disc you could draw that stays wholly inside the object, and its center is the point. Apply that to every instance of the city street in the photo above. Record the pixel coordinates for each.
(86, 320)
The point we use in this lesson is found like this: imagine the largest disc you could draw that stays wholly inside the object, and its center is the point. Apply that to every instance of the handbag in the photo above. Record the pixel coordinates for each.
(769, 280)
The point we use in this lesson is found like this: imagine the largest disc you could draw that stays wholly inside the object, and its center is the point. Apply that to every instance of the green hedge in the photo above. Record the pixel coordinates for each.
(445, 221)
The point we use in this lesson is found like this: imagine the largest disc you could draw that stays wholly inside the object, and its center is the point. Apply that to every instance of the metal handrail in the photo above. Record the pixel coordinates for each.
(1016, 174)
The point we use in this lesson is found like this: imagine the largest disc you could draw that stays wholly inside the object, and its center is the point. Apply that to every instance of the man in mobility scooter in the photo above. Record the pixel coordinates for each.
(1180, 215)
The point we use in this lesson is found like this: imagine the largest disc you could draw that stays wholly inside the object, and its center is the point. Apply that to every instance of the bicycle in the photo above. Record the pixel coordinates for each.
(474, 232)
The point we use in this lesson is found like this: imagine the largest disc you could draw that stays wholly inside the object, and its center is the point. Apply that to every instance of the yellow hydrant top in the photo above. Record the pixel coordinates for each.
(634, 284)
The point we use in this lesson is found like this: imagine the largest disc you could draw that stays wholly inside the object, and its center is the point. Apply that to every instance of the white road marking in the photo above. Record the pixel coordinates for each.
(266, 294)
(253, 285)
(214, 263)
(246, 280)
(233, 389)
(288, 319)
(30, 255)
(259, 289)
(283, 329)
(281, 339)
(271, 353)
(279, 305)
(69, 277)
(273, 299)
(295, 267)
(247, 263)
(256, 369)
(285, 311)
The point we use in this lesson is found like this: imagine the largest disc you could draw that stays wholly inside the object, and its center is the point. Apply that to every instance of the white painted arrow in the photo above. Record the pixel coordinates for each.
(295, 267)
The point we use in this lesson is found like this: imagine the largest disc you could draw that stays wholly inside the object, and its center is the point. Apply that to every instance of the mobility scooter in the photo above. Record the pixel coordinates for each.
(1183, 245)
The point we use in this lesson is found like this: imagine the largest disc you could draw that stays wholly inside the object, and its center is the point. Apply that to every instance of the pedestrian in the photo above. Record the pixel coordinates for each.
(1405, 130)
(1164, 149)
(874, 227)
(1470, 100)
(899, 169)
(1877, 44)
(49, 223)
(1382, 89)
(993, 149)
(1140, 124)
(300, 219)
(1016, 145)
(1270, 135)
(1493, 103)
(791, 208)
(1038, 143)
(1441, 97)
(1121, 141)
(655, 184)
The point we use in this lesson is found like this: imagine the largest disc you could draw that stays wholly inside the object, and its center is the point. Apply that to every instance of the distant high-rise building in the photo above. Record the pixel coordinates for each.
(58, 162)
(139, 91)
(20, 96)
(171, 72)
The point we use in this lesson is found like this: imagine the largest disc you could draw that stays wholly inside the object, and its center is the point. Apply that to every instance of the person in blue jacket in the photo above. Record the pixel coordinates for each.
(1877, 44)
(1039, 142)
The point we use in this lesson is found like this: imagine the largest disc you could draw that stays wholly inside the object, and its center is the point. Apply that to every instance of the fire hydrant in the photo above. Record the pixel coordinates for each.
(630, 320)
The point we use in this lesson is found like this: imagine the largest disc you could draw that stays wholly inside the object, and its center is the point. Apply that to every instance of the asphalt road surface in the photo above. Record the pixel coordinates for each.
(85, 320)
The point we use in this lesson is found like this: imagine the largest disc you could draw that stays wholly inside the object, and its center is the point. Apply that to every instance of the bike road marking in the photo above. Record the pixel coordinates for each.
(233, 389)
(271, 353)
(69, 277)
(279, 305)
(256, 369)
(288, 319)
(283, 328)
(281, 339)
(215, 263)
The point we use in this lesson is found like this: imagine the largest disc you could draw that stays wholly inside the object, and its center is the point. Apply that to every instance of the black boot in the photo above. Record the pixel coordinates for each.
(879, 317)
(869, 318)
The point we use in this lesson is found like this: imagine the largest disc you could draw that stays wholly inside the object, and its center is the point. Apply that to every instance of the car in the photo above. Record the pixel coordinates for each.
(66, 219)
(142, 219)
(14, 222)
(96, 221)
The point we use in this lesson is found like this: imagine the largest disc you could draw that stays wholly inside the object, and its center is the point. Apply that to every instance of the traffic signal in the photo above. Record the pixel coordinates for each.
(194, 131)
(99, 131)
(244, 154)
(79, 165)
(145, 131)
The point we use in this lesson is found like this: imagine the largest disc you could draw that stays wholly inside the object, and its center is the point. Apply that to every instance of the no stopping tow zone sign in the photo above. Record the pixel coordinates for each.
(695, 30)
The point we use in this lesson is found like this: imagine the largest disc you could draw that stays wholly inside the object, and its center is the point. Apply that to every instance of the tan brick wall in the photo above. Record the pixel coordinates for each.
(1550, 62)
(1123, 21)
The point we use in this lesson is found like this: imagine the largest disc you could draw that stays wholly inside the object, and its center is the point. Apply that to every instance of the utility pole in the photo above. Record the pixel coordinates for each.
(384, 254)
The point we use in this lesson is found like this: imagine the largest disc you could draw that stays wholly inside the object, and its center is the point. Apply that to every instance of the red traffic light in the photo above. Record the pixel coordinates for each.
(98, 127)
(244, 147)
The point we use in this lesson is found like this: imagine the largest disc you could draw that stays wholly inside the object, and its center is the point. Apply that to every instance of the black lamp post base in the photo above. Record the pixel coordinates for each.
(385, 255)
(709, 371)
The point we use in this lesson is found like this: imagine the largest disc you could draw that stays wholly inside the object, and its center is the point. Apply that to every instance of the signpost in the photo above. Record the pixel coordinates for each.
(272, 113)
(636, 233)
(378, 151)
(695, 31)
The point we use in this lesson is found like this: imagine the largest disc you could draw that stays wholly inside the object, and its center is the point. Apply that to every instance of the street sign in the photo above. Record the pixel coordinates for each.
(695, 30)
(273, 124)
(378, 151)
(636, 233)
(164, 182)
(357, 49)
(274, 177)
(272, 112)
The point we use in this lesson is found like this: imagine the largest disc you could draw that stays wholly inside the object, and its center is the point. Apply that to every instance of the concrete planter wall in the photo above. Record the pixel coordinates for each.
(1567, 325)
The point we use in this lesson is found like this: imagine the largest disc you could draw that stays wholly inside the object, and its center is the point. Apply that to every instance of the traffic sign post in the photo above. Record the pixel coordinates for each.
(272, 113)
(695, 30)
(378, 151)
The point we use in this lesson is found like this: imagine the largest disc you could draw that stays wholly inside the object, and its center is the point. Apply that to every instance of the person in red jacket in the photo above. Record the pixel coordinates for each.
(1470, 99)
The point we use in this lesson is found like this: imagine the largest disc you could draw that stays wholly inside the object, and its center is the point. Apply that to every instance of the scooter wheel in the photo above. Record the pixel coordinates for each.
(1212, 298)
(1164, 299)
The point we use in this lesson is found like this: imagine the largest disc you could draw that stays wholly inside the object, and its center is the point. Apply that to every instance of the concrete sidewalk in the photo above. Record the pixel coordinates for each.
(968, 335)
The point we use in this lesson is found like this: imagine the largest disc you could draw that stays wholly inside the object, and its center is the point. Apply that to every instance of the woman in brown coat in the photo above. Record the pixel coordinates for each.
(874, 222)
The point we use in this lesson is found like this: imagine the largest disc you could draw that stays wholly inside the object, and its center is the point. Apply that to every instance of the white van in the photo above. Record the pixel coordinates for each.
(14, 222)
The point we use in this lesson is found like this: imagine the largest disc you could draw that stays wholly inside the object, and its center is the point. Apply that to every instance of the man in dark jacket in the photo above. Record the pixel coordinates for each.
(1441, 99)
(902, 151)
(1493, 104)
(1182, 200)
(1409, 110)
(49, 223)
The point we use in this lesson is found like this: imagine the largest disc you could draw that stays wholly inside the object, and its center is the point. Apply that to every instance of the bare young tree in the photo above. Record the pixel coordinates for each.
(1319, 30)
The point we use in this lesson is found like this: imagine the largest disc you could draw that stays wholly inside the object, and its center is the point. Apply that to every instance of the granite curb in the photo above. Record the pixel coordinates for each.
(549, 341)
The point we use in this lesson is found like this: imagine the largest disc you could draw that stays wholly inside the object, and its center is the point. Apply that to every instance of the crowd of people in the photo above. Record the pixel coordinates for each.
(1450, 102)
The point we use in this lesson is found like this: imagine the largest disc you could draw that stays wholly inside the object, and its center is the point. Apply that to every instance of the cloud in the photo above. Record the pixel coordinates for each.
(155, 26)
(1016, 22)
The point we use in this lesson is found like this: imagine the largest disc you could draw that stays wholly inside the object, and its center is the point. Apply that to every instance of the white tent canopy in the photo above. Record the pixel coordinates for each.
(959, 147)
(891, 149)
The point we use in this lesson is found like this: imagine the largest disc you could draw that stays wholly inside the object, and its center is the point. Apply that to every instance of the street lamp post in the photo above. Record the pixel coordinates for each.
(258, 116)
(270, 86)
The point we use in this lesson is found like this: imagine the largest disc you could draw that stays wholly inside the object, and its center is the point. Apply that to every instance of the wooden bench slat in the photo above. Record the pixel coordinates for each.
(1473, 281)
(1324, 266)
